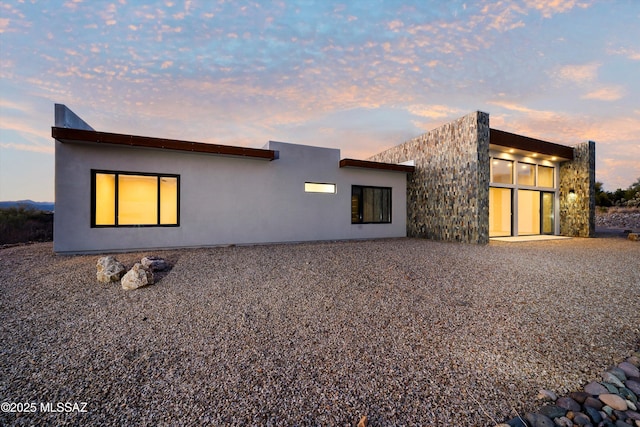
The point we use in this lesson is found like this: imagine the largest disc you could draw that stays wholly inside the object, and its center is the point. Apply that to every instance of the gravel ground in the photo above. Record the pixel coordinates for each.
(404, 331)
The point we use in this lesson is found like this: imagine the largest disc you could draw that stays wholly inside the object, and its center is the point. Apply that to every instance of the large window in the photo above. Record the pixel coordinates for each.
(370, 204)
(134, 199)
(502, 171)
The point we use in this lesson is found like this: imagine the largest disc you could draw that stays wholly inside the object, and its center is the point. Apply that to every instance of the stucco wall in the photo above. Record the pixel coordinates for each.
(223, 200)
(448, 194)
(577, 210)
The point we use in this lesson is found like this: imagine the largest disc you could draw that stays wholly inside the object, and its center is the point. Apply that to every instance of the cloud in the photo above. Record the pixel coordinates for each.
(28, 147)
(631, 54)
(580, 74)
(548, 8)
(433, 111)
(610, 93)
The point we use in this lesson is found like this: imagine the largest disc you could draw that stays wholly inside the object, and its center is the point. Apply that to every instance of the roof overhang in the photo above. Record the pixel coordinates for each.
(510, 142)
(367, 164)
(66, 135)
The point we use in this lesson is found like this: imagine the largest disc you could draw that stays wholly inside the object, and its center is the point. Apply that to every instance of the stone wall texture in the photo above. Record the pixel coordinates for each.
(448, 194)
(578, 210)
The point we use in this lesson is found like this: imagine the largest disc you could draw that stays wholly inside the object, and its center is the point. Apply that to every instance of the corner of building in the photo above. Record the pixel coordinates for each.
(577, 192)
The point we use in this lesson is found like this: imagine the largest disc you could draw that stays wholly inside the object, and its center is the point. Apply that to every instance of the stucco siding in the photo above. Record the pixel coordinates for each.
(223, 200)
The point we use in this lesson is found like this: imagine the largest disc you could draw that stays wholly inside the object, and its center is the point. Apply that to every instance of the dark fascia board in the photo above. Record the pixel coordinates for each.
(512, 140)
(353, 163)
(79, 135)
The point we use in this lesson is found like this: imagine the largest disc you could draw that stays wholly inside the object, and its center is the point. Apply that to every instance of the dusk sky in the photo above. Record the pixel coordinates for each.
(360, 76)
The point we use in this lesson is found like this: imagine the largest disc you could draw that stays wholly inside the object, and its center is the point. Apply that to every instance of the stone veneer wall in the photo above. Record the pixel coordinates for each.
(448, 194)
(578, 213)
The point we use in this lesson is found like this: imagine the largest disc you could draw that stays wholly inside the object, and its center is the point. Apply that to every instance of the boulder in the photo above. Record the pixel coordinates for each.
(137, 277)
(614, 401)
(154, 263)
(109, 270)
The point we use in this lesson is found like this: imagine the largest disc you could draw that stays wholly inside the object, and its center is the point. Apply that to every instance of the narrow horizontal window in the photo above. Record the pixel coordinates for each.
(126, 199)
(318, 187)
(370, 205)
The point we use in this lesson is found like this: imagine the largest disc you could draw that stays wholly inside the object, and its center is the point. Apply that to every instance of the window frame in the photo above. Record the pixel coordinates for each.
(361, 204)
(158, 176)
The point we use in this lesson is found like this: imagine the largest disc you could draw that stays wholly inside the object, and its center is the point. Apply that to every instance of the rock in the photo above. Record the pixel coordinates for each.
(363, 421)
(563, 422)
(634, 237)
(614, 401)
(611, 388)
(631, 405)
(633, 415)
(610, 378)
(593, 414)
(553, 411)
(595, 388)
(619, 373)
(137, 277)
(621, 423)
(593, 403)
(547, 395)
(154, 263)
(634, 386)
(538, 420)
(109, 270)
(568, 404)
(628, 394)
(634, 360)
(579, 396)
(581, 419)
(629, 369)
(516, 422)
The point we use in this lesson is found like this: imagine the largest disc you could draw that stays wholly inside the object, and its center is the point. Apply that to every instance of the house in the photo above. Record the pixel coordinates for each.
(117, 192)
(472, 182)
(462, 182)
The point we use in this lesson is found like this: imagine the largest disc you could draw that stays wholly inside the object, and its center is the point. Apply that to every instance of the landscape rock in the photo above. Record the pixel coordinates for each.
(553, 411)
(579, 396)
(154, 263)
(547, 395)
(563, 422)
(629, 369)
(634, 237)
(634, 360)
(595, 388)
(634, 386)
(581, 419)
(539, 420)
(593, 414)
(568, 404)
(610, 378)
(138, 277)
(618, 373)
(109, 270)
(593, 403)
(614, 401)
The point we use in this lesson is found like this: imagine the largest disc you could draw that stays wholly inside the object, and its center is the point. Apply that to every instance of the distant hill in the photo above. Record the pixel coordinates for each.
(43, 206)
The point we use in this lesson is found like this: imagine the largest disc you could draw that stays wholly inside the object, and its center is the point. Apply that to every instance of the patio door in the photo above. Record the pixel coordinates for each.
(547, 213)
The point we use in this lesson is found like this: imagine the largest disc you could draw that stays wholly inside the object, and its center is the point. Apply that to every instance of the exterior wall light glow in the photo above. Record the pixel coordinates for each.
(572, 195)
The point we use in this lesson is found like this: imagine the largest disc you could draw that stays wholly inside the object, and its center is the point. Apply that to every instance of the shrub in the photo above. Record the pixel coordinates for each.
(19, 225)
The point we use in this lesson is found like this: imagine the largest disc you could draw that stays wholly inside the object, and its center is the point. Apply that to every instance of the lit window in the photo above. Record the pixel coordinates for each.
(131, 199)
(370, 204)
(526, 174)
(317, 187)
(545, 176)
(502, 171)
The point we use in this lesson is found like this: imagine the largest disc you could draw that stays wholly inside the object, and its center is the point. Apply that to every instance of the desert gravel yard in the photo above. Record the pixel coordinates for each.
(404, 331)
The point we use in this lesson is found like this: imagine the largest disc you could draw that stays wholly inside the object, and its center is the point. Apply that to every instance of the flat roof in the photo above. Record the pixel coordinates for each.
(65, 135)
(353, 163)
(529, 145)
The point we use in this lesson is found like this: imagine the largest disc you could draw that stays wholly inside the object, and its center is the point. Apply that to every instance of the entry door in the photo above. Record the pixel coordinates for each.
(546, 213)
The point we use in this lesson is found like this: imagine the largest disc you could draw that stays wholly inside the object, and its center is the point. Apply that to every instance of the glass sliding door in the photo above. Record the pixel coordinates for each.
(499, 212)
(547, 213)
(528, 212)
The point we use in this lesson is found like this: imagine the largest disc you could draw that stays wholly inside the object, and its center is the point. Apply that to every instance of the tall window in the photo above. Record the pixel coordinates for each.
(134, 199)
(370, 205)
